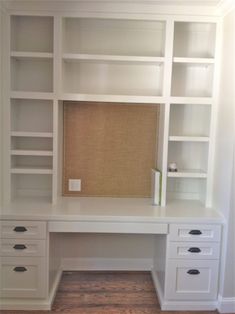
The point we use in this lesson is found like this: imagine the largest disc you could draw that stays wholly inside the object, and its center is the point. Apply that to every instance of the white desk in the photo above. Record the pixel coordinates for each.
(177, 247)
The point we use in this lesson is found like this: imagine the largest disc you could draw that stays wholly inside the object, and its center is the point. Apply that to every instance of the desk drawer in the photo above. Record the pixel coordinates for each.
(108, 227)
(22, 247)
(23, 277)
(191, 280)
(194, 250)
(23, 229)
(193, 233)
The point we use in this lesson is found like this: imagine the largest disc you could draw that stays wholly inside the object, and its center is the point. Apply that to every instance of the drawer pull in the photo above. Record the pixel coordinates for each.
(19, 247)
(194, 250)
(20, 269)
(193, 272)
(195, 232)
(20, 229)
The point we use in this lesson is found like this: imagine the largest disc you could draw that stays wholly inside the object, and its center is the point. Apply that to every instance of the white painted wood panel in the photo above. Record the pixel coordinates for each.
(194, 250)
(191, 280)
(22, 247)
(108, 227)
(23, 229)
(196, 233)
(23, 277)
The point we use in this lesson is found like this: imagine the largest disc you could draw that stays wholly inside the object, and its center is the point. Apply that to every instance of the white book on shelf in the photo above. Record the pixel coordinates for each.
(156, 186)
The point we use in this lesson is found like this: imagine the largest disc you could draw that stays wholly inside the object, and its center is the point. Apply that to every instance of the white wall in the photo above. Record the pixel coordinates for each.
(1, 105)
(224, 170)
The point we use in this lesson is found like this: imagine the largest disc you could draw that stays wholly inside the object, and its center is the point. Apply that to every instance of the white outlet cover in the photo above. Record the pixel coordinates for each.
(75, 185)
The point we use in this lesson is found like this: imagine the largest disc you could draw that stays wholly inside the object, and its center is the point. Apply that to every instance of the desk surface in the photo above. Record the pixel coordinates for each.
(110, 209)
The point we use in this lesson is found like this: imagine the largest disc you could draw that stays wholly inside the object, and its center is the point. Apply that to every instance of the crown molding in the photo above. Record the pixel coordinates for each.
(150, 7)
(3, 6)
(225, 6)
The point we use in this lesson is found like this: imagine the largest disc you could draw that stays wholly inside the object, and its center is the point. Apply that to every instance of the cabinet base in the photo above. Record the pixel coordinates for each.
(32, 304)
(167, 305)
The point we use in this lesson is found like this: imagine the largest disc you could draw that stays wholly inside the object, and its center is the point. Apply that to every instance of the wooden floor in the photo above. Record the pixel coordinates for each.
(105, 293)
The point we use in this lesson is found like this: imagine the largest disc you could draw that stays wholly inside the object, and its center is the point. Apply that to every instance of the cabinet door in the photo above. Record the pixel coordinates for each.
(191, 280)
(23, 277)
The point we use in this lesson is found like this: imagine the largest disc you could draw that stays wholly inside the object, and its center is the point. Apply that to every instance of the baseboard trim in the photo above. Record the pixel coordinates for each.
(130, 264)
(226, 305)
(189, 305)
(32, 304)
(157, 286)
(54, 288)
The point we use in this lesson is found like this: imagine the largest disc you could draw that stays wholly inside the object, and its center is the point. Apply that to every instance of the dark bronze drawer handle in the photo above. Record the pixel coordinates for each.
(20, 269)
(20, 229)
(19, 247)
(193, 272)
(194, 250)
(195, 232)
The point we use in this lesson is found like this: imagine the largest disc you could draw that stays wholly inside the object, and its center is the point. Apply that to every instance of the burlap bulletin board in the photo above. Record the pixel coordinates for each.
(111, 147)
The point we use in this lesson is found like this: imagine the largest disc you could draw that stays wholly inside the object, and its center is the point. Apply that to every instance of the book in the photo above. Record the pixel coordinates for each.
(156, 186)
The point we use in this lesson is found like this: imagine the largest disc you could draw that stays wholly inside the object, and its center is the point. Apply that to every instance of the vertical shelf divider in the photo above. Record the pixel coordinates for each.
(57, 77)
(6, 109)
(169, 37)
(214, 110)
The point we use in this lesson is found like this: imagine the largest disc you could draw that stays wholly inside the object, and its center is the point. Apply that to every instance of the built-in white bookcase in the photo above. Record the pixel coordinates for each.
(153, 61)
(191, 110)
(31, 106)
(113, 57)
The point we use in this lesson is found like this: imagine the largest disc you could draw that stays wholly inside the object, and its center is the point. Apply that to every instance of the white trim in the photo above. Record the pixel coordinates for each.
(107, 264)
(225, 6)
(186, 305)
(157, 286)
(226, 305)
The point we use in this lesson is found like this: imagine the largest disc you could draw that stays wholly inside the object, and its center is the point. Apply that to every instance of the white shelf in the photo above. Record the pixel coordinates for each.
(189, 138)
(31, 134)
(189, 173)
(191, 100)
(29, 55)
(28, 170)
(202, 61)
(31, 95)
(112, 58)
(113, 98)
(20, 152)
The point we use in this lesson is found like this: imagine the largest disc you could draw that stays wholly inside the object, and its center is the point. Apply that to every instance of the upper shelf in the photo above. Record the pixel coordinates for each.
(31, 55)
(194, 39)
(202, 61)
(32, 33)
(112, 58)
(113, 37)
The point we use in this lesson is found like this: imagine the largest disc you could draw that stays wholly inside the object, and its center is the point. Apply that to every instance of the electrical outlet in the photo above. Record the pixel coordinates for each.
(74, 185)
